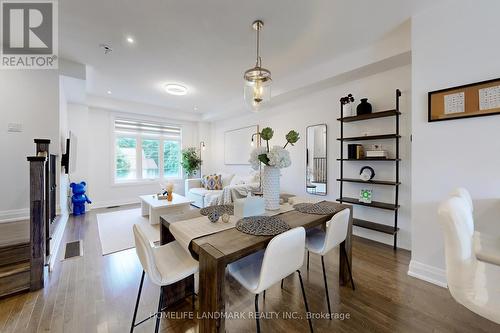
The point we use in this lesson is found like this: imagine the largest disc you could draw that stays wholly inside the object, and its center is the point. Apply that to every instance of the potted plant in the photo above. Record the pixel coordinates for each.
(191, 161)
(274, 158)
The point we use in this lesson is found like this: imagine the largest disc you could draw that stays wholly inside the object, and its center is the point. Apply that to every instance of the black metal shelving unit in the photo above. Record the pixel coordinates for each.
(384, 228)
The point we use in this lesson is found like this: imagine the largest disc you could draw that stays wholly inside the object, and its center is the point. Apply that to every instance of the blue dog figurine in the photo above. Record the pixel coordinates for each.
(79, 198)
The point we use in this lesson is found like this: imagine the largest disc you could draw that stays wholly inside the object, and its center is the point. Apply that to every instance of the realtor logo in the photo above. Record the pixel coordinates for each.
(29, 34)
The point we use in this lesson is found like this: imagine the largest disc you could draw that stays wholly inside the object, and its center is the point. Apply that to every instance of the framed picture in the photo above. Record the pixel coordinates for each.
(237, 145)
(471, 100)
(365, 196)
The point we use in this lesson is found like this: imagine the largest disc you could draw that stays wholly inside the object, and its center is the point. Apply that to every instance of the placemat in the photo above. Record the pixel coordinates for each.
(320, 208)
(262, 225)
(221, 209)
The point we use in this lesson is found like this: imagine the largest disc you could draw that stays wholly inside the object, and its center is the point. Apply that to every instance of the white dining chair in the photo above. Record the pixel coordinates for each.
(471, 282)
(283, 256)
(486, 246)
(463, 193)
(321, 242)
(164, 266)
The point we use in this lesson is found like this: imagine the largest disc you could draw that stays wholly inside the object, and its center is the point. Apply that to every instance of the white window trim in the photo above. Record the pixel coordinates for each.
(139, 180)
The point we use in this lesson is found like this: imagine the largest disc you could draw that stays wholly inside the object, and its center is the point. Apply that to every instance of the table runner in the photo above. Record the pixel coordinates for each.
(187, 230)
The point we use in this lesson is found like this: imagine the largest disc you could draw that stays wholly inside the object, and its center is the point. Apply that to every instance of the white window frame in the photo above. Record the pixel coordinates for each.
(139, 137)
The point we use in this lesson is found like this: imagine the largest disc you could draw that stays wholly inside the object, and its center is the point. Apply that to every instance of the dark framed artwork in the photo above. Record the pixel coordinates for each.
(471, 100)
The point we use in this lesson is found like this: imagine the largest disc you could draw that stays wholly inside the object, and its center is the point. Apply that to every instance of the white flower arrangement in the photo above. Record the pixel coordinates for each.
(277, 156)
(254, 157)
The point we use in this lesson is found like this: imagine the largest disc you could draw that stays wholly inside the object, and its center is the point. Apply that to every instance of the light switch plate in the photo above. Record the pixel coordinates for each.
(14, 127)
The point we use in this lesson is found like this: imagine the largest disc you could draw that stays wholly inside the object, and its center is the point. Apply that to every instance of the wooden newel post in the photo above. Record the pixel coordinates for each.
(37, 221)
(42, 149)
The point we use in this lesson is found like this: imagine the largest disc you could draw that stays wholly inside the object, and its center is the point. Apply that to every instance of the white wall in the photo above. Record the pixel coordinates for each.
(78, 124)
(323, 106)
(30, 98)
(453, 43)
(62, 198)
(94, 129)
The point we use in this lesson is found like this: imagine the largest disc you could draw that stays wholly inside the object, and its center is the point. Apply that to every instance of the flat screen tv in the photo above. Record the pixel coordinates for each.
(68, 159)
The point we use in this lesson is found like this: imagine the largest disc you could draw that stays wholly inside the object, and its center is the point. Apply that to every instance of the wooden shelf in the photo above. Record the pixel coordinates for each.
(370, 137)
(342, 179)
(374, 182)
(381, 114)
(375, 204)
(386, 229)
(369, 159)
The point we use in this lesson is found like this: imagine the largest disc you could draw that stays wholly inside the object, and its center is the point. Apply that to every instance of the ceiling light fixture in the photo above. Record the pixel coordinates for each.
(258, 80)
(130, 40)
(175, 89)
(109, 92)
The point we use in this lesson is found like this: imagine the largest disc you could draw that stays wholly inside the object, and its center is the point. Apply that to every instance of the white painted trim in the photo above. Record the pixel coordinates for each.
(56, 240)
(104, 204)
(14, 215)
(428, 273)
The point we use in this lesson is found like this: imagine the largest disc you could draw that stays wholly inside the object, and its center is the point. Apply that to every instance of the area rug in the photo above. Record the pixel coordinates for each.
(115, 230)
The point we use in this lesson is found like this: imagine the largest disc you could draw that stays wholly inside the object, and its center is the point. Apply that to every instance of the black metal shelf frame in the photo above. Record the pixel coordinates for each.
(396, 136)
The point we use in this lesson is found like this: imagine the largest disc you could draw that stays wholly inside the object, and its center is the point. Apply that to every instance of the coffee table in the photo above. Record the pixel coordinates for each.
(150, 205)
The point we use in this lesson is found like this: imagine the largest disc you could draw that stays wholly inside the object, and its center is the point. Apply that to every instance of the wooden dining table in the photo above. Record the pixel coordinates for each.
(214, 252)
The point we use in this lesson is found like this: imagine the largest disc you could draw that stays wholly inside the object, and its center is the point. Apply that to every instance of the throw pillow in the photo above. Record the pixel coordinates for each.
(213, 182)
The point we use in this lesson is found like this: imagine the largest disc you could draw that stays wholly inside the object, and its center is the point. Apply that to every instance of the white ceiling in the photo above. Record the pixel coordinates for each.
(207, 45)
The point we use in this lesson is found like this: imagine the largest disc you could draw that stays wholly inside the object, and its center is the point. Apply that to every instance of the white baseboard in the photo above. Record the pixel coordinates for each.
(110, 203)
(14, 215)
(428, 273)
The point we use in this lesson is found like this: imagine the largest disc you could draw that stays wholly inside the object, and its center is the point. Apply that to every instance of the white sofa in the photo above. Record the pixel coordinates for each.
(202, 197)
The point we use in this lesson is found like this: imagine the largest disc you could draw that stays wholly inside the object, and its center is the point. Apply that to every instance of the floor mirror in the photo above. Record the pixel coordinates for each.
(316, 159)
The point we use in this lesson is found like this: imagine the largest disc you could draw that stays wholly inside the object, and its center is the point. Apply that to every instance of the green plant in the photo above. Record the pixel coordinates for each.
(291, 138)
(190, 160)
(277, 153)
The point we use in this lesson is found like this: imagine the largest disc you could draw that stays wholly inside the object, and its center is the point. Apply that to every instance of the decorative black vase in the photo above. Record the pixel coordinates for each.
(364, 107)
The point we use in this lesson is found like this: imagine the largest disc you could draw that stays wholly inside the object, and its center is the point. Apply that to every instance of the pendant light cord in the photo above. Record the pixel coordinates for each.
(259, 60)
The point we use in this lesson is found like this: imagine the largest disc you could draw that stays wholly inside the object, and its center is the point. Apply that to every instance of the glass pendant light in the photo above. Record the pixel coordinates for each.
(258, 80)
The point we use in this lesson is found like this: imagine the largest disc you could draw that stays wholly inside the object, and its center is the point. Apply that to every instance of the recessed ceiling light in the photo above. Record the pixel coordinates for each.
(109, 92)
(175, 89)
(130, 40)
(195, 108)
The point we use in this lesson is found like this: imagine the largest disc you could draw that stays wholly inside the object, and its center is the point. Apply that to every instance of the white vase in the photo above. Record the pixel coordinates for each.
(271, 187)
(348, 110)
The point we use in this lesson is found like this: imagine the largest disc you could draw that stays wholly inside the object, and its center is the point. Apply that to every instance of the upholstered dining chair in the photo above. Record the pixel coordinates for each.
(283, 256)
(164, 266)
(486, 245)
(463, 193)
(471, 282)
(321, 242)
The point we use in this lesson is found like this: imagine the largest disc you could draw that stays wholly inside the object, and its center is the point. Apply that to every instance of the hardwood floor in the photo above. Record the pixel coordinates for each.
(96, 293)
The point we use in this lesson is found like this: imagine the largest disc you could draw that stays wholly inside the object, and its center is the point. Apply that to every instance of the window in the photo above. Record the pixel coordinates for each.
(171, 153)
(146, 151)
(126, 162)
(150, 158)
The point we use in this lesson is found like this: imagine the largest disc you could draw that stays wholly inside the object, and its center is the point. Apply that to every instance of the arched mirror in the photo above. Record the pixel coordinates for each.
(316, 160)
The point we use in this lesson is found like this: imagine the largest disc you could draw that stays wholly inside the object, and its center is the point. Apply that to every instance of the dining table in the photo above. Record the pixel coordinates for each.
(215, 251)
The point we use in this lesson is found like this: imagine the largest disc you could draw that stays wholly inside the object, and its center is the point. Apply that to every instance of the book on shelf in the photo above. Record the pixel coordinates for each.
(376, 154)
(355, 151)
